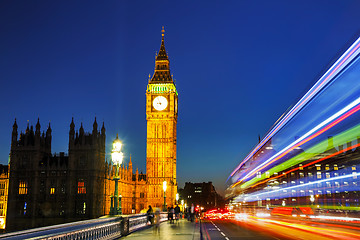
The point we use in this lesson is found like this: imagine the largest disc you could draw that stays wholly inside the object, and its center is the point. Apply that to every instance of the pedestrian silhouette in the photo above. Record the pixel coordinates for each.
(150, 215)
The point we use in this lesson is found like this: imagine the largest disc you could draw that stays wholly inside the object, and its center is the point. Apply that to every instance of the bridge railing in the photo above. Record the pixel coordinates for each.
(102, 228)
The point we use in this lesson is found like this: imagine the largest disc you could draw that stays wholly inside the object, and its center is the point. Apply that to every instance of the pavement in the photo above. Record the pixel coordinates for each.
(181, 230)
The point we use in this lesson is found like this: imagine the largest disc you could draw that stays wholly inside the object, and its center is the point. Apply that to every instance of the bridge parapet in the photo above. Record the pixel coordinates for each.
(102, 228)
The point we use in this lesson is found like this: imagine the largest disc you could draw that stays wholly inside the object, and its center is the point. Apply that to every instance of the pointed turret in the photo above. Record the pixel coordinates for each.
(38, 133)
(48, 131)
(14, 134)
(27, 128)
(15, 126)
(103, 136)
(103, 129)
(162, 55)
(37, 128)
(81, 130)
(162, 65)
(95, 126)
(48, 137)
(137, 175)
(130, 164)
(71, 133)
(72, 129)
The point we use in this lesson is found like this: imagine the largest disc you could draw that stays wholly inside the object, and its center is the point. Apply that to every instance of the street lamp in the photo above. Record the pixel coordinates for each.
(177, 198)
(164, 188)
(117, 158)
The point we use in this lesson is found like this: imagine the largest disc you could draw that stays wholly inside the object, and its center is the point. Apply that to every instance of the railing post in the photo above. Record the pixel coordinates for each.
(124, 226)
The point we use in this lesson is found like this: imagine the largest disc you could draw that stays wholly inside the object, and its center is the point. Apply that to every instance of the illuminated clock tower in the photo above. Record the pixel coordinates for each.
(161, 116)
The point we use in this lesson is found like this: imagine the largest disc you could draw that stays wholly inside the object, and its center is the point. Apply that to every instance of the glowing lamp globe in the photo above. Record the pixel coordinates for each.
(164, 186)
(117, 157)
(117, 145)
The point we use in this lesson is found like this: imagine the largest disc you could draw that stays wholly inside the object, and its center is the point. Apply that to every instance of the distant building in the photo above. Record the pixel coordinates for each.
(4, 183)
(202, 194)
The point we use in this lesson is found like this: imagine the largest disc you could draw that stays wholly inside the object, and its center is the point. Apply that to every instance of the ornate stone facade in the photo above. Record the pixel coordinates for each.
(46, 188)
(4, 183)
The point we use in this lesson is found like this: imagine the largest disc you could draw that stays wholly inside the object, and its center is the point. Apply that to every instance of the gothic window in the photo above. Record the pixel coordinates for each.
(52, 187)
(142, 195)
(2, 209)
(23, 187)
(81, 187)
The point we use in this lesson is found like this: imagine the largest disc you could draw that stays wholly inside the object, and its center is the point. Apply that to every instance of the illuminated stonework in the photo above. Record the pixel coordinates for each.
(4, 183)
(161, 88)
(161, 133)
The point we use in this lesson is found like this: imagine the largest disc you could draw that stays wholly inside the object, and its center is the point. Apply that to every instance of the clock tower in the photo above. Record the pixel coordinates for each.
(161, 117)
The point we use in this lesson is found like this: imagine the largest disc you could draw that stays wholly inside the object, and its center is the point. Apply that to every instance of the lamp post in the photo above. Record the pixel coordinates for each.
(177, 198)
(164, 188)
(117, 158)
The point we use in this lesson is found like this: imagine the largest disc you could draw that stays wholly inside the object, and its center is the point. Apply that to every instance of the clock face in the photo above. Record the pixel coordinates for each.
(160, 103)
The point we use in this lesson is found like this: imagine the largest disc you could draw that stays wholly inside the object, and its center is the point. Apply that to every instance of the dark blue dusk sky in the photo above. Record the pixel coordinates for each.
(238, 66)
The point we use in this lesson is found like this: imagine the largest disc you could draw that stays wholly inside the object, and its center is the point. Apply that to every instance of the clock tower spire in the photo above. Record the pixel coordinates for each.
(161, 116)
(162, 65)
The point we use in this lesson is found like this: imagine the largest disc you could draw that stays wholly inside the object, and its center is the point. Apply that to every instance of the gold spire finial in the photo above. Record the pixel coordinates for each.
(163, 31)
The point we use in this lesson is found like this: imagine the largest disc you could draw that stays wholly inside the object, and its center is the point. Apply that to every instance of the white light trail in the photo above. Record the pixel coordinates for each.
(330, 119)
(302, 185)
(329, 76)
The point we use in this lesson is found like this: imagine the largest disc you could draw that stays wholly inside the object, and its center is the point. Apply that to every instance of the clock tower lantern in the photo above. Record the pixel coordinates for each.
(161, 116)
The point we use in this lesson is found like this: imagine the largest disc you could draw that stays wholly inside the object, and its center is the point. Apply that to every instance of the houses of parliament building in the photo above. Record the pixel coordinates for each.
(42, 188)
